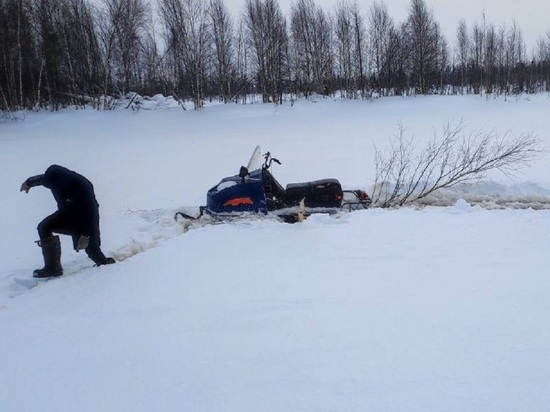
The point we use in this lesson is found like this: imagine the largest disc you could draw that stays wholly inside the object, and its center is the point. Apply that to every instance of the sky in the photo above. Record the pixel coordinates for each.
(530, 15)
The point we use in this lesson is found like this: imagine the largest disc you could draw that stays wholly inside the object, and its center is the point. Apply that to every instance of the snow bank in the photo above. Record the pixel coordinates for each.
(429, 309)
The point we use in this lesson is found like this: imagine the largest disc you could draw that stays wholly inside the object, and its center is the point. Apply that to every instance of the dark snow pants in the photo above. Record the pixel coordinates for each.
(71, 224)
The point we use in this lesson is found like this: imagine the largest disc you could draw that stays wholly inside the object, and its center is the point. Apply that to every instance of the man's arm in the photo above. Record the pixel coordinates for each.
(32, 181)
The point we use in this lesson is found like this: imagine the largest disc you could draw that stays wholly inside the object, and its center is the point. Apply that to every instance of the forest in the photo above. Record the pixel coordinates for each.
(84, 53)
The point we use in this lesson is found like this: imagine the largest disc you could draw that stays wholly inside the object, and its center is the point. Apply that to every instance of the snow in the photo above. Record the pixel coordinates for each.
(417, 309)
(225, 185)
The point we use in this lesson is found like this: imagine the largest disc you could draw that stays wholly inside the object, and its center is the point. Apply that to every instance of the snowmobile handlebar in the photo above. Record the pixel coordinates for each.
(268, 160)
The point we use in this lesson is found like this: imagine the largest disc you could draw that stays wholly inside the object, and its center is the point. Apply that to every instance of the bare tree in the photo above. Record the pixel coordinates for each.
(54, 43)
(108, 21)
(344, 35)
(360, 47)
(383, 46)
(500, 61)
(476, 57)
(515, 57)
(311, 48)
(323, 57)
(151, 73)
(243, 71)
(351, 48)
(543, 57)
(18, 49)
(442, 62)
(490, 56)
(47, 15)
(423, 42)
(186, 34)
(222, 33)
(268, 37)
(81, 49)
(302, 27)
(132, 35)
(547, 61)
(405, 175)
(462, 52)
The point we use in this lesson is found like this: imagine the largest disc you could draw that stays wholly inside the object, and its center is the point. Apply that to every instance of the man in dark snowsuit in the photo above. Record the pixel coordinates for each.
(77, 216)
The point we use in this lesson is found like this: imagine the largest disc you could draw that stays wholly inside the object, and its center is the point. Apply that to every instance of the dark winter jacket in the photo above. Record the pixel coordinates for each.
(74, 195)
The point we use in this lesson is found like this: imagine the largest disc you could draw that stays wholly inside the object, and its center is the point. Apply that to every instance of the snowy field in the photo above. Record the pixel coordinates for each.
(432, 309)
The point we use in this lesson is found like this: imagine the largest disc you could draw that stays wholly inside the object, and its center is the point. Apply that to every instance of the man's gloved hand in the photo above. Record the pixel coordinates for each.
(83, 242)
(25, 187)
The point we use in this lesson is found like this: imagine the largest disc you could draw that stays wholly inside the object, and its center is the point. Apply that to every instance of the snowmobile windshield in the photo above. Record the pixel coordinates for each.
(255, 162)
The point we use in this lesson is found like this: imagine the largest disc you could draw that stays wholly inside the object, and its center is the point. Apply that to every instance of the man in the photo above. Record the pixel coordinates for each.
(77, 216)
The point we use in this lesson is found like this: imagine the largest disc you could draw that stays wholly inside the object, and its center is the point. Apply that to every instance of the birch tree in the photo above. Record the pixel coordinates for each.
(267, 34)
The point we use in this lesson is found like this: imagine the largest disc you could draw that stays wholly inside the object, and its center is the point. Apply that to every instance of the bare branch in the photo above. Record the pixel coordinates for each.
(404, 176)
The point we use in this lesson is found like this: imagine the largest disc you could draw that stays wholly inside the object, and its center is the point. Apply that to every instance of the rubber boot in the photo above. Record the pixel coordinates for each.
(95, 253)
(51, 250)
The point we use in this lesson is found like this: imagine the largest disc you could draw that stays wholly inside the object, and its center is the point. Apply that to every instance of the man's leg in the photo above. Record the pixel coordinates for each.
(94, 248)
(94, 252)
(50, 245)
(50, 224)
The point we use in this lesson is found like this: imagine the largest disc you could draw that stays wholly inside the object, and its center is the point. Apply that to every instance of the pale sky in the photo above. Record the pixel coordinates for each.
(531, 16)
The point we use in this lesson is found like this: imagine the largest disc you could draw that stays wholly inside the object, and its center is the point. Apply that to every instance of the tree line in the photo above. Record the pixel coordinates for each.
(56, 53)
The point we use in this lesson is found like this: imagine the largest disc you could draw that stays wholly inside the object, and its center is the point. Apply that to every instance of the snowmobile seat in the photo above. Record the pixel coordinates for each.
(319, 193)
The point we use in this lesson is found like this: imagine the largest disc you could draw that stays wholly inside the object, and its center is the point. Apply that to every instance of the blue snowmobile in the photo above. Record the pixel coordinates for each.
(256, 191)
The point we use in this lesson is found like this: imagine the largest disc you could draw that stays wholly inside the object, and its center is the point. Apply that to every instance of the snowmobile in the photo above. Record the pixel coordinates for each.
(256, 191)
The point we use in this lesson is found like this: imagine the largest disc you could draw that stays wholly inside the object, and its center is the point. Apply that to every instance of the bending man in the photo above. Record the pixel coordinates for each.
(77, 216)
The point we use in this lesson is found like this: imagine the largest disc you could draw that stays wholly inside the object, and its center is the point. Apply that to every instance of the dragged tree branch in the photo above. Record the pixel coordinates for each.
(405, 175)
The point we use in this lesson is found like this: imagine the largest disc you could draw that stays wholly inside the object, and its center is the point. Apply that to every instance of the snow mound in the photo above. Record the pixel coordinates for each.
(462, 206)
